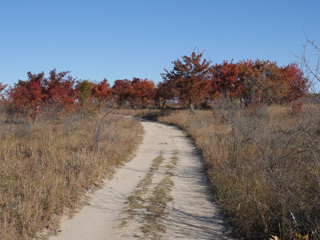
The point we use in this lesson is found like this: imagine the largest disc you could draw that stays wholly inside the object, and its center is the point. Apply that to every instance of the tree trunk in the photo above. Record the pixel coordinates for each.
(191, 107)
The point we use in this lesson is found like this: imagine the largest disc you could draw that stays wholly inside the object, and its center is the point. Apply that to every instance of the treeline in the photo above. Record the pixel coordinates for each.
(192, 82)
(195, 82)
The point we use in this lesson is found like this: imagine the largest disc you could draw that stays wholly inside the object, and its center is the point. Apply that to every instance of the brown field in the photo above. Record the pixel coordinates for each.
(46, 167)
(263, 163)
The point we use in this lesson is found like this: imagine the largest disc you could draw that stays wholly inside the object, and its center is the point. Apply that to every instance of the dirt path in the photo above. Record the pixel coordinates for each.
(166, 171)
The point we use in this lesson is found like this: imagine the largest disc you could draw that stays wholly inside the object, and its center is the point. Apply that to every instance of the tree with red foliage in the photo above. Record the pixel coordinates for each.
(122, 91)
(58, 90)
(31, 96)
(142, 92)
(189, 79)
(298, 84)
(27, 96)
(164, 93)
(225, 79)
(102, 92)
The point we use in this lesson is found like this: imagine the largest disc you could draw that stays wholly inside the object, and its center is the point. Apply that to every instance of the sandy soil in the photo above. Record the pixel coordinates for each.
(192, 214)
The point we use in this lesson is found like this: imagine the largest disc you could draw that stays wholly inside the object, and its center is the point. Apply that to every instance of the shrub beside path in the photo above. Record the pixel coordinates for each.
(127, 207)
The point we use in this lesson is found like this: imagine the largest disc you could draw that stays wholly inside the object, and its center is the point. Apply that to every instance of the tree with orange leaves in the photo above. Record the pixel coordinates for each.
(142, 92)
(102, 92)
(273, 87)
(261, 81)
(189, 79)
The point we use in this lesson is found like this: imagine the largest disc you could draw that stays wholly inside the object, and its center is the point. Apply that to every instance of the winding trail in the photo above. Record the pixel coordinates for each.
(191, 213)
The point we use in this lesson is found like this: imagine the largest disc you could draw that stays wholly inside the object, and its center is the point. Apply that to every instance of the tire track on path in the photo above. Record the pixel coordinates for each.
(192, 213)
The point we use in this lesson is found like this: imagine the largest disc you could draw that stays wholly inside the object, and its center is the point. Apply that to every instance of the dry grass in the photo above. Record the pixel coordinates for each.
(47, 167)
(263, 163)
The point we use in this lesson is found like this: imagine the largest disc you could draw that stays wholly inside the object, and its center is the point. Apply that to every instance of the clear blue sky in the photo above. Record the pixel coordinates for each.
(139, 38)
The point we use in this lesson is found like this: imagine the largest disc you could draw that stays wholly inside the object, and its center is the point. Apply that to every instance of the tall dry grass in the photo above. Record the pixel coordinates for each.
(49, 166)
(263, 163)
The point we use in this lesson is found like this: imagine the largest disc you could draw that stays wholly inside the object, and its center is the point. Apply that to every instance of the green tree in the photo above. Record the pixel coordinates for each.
(84, 91)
